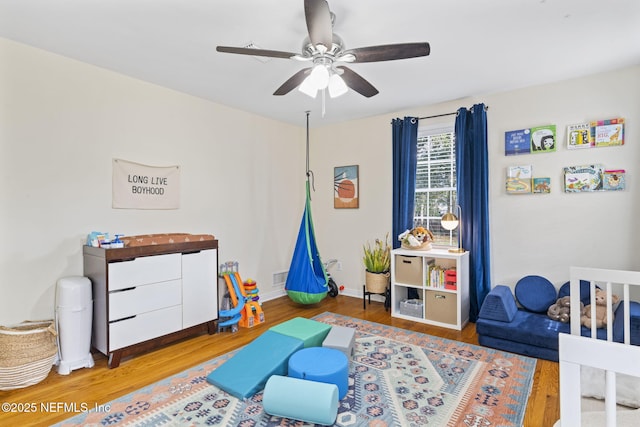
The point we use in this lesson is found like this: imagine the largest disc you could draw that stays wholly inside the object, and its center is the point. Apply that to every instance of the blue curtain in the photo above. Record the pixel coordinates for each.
(472, 161)
(405, 149)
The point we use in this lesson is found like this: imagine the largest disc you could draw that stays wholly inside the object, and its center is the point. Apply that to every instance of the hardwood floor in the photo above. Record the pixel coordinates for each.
(100, 384)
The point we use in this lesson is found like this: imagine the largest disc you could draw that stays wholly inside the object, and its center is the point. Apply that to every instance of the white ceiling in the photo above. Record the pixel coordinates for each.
(477, 47)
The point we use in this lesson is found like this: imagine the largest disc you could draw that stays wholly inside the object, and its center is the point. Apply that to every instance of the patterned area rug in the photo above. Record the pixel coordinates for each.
(397, 378)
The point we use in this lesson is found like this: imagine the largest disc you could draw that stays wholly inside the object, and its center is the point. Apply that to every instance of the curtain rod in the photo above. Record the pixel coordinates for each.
(438, 115)
(455, 113)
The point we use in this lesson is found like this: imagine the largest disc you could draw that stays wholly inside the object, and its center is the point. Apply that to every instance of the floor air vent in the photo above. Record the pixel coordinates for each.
(280, 278)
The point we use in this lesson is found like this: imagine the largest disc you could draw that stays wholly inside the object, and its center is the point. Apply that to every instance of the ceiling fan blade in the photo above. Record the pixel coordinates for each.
(318, 17)
(256, 52)
(293, 82)
(356, 82)
(389, 52)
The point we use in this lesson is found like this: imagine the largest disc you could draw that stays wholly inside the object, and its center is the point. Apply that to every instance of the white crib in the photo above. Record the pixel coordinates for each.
(576, 351)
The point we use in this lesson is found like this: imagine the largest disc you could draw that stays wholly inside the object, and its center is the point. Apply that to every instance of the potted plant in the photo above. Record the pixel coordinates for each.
(377, 262)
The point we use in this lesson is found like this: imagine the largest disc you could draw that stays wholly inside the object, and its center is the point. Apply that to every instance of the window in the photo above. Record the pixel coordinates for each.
(436, 182)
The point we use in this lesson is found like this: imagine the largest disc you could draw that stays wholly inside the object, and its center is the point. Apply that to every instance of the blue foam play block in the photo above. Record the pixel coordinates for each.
(310, 331)
(248, 370)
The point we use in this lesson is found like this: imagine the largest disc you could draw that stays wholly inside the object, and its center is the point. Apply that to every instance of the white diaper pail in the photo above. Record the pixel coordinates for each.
(74, 311)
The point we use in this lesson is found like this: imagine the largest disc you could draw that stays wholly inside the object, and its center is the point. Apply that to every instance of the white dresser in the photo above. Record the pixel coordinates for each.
(150, 295)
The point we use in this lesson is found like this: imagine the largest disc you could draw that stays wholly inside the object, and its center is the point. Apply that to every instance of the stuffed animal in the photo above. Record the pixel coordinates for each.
(416, 237)
(421, 233)
(561, 309)
(601, 310)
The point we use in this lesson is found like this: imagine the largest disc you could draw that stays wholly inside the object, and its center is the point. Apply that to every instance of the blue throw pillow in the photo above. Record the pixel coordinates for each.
(585, 294)
(535, 293)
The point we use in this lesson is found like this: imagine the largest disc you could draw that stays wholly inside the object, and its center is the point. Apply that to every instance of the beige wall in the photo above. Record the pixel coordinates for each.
(62, 122)
(530, 234)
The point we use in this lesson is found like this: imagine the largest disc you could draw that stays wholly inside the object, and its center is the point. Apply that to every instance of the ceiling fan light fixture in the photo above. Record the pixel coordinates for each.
(308, 87)
(319, 76)
(337, 86)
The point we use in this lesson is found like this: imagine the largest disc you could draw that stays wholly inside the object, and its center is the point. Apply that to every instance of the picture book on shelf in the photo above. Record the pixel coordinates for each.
(583, 178)
(579, 136)
(543, 139)
(613, 180)
(606, 133)
(519, 179)
(542, 185)
(517, 142)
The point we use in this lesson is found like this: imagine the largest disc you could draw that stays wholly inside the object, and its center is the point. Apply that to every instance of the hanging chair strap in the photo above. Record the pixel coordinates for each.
(311, 235)
(309, 171)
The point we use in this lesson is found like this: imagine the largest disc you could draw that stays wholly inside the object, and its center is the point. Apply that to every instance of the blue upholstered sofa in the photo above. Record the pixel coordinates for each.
(526, 329)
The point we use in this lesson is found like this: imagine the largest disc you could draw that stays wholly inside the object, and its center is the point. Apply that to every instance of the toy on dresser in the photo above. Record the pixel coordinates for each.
(417, 238)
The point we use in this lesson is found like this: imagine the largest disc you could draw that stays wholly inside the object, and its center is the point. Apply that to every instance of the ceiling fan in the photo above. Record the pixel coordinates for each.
(325, 49)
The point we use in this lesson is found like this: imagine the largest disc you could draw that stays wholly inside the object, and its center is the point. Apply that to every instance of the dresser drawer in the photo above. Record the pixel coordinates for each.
(141, 299)
(144, 270)
(144, 327)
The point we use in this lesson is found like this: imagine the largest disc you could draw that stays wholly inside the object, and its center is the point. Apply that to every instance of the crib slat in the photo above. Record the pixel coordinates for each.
(627, 315)
(609, 312)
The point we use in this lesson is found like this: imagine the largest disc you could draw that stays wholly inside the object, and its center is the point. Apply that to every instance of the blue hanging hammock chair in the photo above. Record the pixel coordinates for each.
(307, 281)
(307, 278)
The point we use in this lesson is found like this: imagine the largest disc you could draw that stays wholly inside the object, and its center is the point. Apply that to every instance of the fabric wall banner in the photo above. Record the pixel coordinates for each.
(137, 186)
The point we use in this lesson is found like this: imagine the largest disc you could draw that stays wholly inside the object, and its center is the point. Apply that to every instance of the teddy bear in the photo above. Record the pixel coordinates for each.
(601, 310)
(416, 237)
(561, 309)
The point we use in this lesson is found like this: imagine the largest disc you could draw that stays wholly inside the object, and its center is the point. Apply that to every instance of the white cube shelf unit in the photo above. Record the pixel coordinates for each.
(430, 287)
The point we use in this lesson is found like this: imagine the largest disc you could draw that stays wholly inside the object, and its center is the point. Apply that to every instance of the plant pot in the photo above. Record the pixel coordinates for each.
(377, 282)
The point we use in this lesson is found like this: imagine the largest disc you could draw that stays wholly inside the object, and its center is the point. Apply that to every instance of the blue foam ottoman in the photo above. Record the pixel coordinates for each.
(248, 370)
(322, 364)
(303, 400)
(307, 330)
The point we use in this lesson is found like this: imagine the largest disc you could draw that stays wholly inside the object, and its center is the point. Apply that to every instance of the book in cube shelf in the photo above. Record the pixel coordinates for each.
(436, 277)
(440, 277)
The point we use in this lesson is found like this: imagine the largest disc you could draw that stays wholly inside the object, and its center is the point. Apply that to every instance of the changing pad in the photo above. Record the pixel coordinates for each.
(163, 239)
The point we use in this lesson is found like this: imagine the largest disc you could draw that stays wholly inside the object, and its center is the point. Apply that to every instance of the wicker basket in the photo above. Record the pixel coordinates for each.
(425, 246)
(377, 282)
(27, 353)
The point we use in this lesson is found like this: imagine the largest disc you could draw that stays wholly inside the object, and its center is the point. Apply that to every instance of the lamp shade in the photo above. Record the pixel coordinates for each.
(449, 221)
